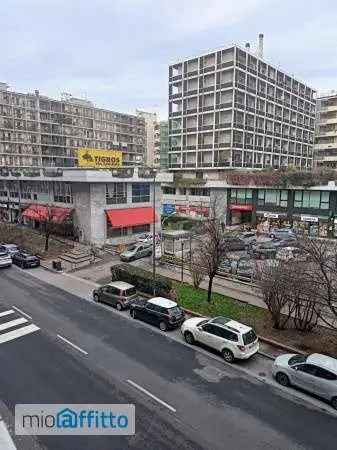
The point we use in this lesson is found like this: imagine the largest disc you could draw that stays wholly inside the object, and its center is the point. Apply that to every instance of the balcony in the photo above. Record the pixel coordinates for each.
(177, 95)
(207, 89)
(223, 65)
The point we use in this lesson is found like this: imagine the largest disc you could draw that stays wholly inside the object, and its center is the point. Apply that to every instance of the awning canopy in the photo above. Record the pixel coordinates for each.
(130, 217)
(44, 213)
(241, 208)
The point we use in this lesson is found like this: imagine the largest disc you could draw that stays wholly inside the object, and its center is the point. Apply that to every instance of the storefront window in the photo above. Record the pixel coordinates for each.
(141, 229)
(241, 196)
(116, 193)
(312, 199)
(116, 232)
(274, 197)
(140, 192)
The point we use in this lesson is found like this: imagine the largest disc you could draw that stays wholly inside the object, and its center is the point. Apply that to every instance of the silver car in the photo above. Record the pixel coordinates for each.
(315, 373)
(135, 252)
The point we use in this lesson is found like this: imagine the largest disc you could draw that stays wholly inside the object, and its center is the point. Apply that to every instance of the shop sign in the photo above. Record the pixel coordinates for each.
(269, 215)
(99, 159)
(14, 206)
(168, 209)
(309, 219)
(3, 205)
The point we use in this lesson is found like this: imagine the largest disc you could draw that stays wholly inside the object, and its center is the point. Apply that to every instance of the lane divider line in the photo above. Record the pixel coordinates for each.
(6, 313)
(140, 388)
(21, 312)
(72, 345)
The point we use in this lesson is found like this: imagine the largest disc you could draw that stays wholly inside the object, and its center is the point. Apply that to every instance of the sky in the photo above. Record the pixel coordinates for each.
(116, 53)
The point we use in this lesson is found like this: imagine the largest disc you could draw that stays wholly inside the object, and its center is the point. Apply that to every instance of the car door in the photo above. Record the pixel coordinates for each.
(304, 377)
(208, 336)
(139, 252)
(104, 294)
(18, 258)
(113, 294)
(149, 313)
(325, 383)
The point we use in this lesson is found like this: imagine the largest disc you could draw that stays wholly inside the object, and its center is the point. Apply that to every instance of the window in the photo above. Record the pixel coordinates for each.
(241, 196)
(274, 197)
(307, 368)
(62, 192)
(141, 229)
(226, 334)
(116, 193)
(116, 232)
(169, 190)
(325, 374)
(203, 192)
(312, 199)
(140, 192)
(212, 329)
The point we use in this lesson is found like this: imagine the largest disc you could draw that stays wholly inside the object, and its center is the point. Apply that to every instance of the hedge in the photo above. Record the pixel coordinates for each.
(142, 280)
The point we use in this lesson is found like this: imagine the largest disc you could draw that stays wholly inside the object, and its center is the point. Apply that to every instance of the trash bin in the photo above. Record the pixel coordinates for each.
(57, 266)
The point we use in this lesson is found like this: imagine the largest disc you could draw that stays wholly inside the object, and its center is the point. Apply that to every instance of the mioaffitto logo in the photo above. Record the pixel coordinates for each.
(75, 419)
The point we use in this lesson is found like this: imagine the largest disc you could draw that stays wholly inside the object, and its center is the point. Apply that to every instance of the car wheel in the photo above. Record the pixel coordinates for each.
(334, 403)
(227, 355)
(119, 307)
(189, 338)
(96, 298)
(133, 314)
(22, 265)
(163, 326)
(282, 379)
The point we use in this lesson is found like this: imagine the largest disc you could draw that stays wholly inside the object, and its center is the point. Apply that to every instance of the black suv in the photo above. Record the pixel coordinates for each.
(25, 260)
(158, 311)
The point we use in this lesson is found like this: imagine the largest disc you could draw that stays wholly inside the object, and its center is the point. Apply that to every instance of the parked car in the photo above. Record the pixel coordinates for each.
(290, 254)
(158, 311)
(25, 260)
(265, 250)
(226, 266)
(315, 373)
(232, 339)
(147, 238)
(249, 237)
(136, 251)
(241, 268)
(5, 259)
(282, 233)
(117, 293)
(11, 249)
(232, 243)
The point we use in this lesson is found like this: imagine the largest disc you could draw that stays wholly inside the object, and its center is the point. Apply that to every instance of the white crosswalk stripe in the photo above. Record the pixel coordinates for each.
(18, 332)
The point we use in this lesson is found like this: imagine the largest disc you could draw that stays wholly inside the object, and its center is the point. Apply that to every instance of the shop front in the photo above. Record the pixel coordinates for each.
(316, 226)
(37, 216)
(267, 220)
(4, 212)
(240, 214)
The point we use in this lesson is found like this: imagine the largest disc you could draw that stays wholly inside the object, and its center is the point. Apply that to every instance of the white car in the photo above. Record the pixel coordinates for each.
(11, 249)
(5, 259)
(232, 339)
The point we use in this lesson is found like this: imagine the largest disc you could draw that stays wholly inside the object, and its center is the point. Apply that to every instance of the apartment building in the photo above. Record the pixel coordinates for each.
(38, 131)
(326, 130)
(152, 137)
(164, 144)
(230, 109)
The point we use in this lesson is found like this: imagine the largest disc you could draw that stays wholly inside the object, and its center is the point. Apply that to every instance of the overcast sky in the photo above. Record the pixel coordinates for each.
(116, 52)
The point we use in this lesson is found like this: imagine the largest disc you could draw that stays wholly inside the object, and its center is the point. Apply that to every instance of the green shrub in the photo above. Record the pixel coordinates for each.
(142, 279)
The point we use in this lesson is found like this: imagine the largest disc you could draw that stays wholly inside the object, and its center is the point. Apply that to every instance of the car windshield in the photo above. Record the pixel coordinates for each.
(130, 291)
(249, 337)
(132, 248)
(174, 311)
(297, 359)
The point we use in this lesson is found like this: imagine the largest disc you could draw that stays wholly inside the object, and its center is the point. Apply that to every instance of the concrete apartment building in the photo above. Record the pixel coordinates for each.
(38, 131)
(152, 137)
(230, 109)
(164, 144)
(326, 130)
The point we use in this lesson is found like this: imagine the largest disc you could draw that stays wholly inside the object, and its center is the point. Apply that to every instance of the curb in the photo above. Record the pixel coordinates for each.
(271, 342)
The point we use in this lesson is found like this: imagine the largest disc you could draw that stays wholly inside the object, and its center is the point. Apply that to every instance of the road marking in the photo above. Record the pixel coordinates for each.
(140, 388)
(18, 333)
(12, 323)
(6, 441)
(6, 313)
(21, 312)
(73, 345)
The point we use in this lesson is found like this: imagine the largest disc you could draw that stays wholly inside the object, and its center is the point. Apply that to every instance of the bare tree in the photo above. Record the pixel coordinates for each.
(276, 283)
(196, 270)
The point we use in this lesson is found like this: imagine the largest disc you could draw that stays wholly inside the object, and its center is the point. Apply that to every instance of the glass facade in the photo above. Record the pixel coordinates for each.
(274, 197)
(312, 199)
(241, 196)
(140, 192)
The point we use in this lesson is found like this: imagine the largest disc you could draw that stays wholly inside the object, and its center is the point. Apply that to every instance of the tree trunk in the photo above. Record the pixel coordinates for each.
(209, 292)
(46, 242)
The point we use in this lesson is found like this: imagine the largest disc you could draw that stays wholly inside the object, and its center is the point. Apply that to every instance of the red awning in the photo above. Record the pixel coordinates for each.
(130, 217)
(44, 213)
(241, 207)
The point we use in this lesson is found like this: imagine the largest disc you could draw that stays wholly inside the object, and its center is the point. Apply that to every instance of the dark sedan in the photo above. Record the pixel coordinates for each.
(25, 260)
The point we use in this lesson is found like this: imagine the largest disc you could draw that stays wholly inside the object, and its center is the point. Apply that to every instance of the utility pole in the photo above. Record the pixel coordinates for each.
(182, 261)
(154, 235)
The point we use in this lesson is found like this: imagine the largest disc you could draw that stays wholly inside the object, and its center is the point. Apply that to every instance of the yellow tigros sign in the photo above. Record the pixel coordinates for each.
(99, 159)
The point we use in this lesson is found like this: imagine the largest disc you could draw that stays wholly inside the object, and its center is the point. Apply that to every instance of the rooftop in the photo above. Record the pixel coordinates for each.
(164, 302)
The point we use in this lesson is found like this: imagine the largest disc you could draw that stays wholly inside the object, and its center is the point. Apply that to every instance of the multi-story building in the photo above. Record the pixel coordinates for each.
(164, 144)
(94, 206)
(326, 130)
(230, 109)
(43, 132)
(152, 137)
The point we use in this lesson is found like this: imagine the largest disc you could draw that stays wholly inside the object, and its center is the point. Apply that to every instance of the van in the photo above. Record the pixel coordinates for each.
(118, 294)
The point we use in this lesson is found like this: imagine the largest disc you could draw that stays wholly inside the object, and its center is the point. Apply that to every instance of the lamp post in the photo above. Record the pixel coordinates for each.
(182, 261)
(154, 234)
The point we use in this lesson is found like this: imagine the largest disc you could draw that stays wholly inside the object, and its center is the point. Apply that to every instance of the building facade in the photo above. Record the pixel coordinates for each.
(326, 131)
(164, 144)
(152, 137)
(94, 206)
(312, 210)
(37, 131)
(230, 109)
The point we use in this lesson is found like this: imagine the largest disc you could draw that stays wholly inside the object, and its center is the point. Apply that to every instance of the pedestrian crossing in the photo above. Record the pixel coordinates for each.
(13, 327)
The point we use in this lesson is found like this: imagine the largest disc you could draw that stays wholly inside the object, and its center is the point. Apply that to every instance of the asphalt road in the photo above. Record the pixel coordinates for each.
(200, 403)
